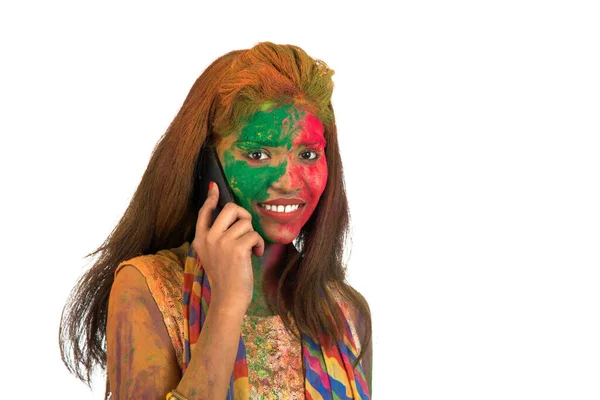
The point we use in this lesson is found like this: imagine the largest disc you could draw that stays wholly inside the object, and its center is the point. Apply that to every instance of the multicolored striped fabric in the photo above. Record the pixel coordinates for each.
(328, 369)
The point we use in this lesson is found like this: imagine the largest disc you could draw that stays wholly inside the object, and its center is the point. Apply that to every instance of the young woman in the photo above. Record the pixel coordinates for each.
(253, 304)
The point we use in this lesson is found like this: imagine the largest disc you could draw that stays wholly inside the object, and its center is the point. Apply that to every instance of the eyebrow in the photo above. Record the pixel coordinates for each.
(273, 143)
(262, 142)
(319, 143)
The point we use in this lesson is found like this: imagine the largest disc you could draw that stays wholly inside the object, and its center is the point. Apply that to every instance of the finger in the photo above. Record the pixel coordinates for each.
(228, 216)
(257, 251)
(206, 211)
(238, 229)
(255, 242)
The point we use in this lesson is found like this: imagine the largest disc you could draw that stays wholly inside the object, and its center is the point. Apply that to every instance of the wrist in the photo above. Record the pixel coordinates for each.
(227, 306)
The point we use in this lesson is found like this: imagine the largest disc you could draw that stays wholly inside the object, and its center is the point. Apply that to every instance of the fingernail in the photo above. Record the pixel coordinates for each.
(210, 185)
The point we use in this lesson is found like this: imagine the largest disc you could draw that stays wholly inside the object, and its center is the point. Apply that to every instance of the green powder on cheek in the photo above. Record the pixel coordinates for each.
(250, 184)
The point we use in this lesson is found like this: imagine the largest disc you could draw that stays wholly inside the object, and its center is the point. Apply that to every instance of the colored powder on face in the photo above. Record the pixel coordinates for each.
(249, 183)
(273, 128)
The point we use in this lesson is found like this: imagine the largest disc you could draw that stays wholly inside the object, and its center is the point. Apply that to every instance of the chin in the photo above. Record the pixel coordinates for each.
(286, 237)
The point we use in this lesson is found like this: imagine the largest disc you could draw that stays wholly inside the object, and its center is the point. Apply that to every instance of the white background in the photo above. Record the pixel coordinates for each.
(469, 136)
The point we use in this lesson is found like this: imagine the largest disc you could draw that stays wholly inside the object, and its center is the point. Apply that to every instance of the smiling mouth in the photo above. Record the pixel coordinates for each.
(280, 208)
(284, 215)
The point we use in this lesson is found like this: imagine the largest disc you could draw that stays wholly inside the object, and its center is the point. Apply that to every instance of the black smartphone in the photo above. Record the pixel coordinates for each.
(209, 169)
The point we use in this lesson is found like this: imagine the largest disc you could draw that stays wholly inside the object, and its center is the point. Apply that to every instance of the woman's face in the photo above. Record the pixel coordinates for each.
(277, 158)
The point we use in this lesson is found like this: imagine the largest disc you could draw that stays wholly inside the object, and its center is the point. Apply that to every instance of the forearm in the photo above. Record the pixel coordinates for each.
(208, 374)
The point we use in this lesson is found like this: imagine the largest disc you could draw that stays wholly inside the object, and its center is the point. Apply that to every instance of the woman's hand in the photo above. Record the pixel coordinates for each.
(225, 250)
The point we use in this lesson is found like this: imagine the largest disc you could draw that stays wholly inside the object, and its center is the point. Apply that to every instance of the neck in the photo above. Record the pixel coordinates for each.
(265, 269)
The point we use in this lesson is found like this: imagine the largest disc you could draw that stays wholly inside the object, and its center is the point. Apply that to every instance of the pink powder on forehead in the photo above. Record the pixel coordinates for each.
(312, 131)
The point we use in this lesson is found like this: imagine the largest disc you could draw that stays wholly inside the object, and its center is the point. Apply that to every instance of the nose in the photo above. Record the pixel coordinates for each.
(290, 181)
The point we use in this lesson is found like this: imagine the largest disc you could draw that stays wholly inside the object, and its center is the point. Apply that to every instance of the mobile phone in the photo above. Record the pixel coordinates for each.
(209, 169)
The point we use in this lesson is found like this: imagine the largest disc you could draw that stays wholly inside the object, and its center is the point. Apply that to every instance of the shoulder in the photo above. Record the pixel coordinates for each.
(352, 314)
(357, 316)
(133, 281)
(128, 281)
(364, 331)
(158, 266)
(137, 278)
(130, 295)
(161, 276)
(347, 304)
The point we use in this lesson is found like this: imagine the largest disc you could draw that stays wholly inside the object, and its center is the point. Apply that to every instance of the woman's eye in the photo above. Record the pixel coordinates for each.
(262, 155)
(309, 152)
(252, 155)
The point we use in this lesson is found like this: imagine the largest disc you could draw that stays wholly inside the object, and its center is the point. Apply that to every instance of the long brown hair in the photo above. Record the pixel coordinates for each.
(163, 211)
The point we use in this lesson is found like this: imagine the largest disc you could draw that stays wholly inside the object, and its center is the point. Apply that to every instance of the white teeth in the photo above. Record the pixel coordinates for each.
(281, 208)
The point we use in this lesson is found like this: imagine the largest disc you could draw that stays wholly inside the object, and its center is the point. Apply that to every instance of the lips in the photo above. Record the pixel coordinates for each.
(284, 201)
